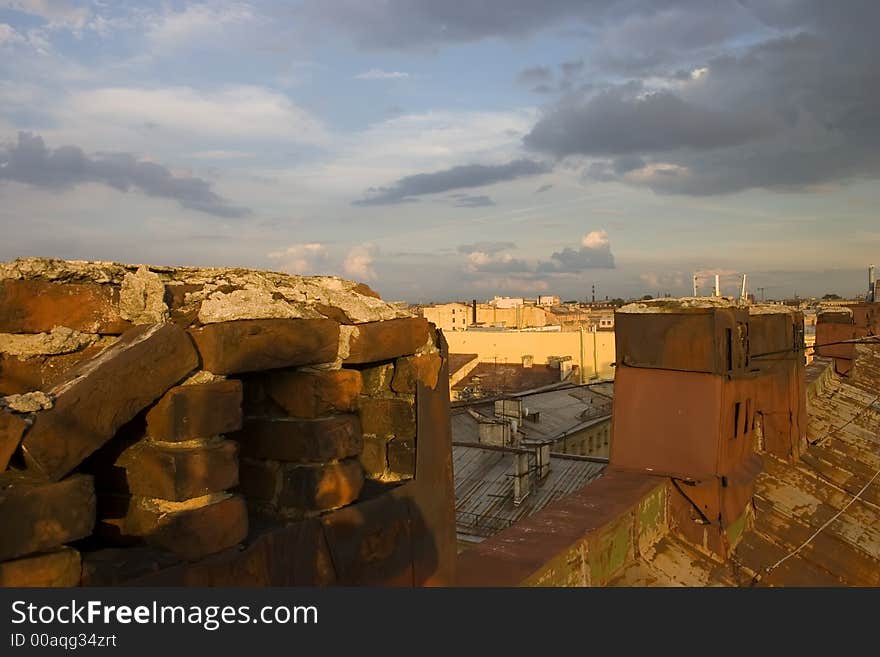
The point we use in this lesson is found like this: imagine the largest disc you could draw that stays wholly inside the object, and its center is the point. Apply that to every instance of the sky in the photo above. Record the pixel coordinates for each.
(450, 150)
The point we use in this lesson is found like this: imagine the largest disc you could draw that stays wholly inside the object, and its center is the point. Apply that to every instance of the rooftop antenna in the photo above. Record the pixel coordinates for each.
(717, 285)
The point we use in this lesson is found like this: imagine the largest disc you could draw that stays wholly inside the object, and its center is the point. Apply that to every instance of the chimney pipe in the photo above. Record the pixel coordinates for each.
(742, 294)
(871, 285)
(695, 285)
(474, 311)
(717, 285)
(594, 293)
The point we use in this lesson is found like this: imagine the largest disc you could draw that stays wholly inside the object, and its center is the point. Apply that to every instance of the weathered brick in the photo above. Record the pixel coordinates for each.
(387, 418)
(377, 341)
(35, 306)
(36, 516)
(376, 381)
(259, 480)
(402, 458)
(196, 411)
(178, 472)
(253, 345)
(12, 427)
(297, 440)
(101, 394)
(59, 568)
(321, 487)
(19, 375)
(191, 529)
(374, 457)
(312, 394)
(412, 369)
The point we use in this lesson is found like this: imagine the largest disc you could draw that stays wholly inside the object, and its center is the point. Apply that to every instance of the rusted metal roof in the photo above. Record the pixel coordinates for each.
(809, 530)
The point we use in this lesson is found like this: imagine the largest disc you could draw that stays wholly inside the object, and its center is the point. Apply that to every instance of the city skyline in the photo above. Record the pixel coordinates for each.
(442, 151)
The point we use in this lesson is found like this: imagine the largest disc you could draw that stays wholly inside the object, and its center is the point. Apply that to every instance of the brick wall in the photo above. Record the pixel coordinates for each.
(217, 426)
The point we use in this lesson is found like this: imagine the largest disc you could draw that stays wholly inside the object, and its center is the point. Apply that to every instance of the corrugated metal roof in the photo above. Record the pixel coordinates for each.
(484, 488)
(560, 410)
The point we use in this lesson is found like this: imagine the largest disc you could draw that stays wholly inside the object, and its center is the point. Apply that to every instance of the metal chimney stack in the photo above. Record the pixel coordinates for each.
(742, 293)
(872, 285)
(717, 285)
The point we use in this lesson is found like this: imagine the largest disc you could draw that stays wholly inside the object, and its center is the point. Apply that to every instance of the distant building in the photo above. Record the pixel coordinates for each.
(549, 301)
(449, 316)
(507, 302)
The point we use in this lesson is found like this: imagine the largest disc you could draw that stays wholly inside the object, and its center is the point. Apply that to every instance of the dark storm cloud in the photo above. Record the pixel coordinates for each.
(29, 161)
(460, 177)
(794, 110)
(486, 247)
(401, 24)
(619, 121)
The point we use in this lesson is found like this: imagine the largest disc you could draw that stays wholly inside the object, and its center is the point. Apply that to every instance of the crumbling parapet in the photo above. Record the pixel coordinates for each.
(221, 414)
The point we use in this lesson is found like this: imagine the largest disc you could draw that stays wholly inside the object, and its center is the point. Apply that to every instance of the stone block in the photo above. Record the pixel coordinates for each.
(259, 480)
(100, 395)
(376, 381)
(36, 515)
(196, 411)
(179, 471)
(320, 487)
(12, 428)
(37, 306)
(387, 417)
(191, 529)
(297, 440)
(412, 369)
(374, 457)
(401, 458)
(312, 394)
(377, 341)
(59, 568)
(19, 375)
(264, 344)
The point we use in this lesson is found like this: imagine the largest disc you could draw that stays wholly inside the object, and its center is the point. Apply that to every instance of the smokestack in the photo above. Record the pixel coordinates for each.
(871, 285)
(474, 311)
(695, 285)
(742, 293)
(594, 293)
(717, 285)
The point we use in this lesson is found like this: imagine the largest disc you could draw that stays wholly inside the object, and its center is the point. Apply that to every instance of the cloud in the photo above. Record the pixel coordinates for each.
(594, 253)
(8, 35)
(534, 75)
(232, 112)
(359, 263)
(486, 247)
(622, 121)
(420, 24)
(29, 161)
(379, 74)
(459, 177)
(467, 201)
(309, 258)
(480, 261)
(56, 13)
(172, 29)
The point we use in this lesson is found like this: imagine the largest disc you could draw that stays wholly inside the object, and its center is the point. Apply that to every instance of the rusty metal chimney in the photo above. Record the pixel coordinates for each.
(474, 311)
